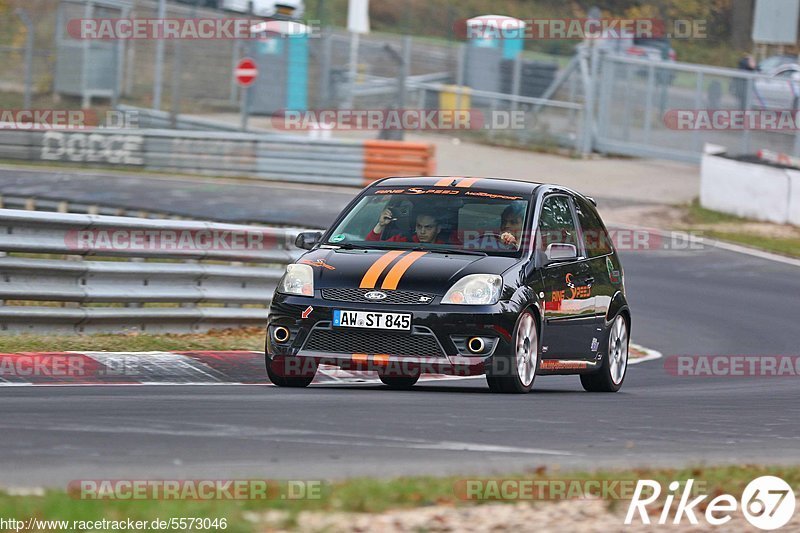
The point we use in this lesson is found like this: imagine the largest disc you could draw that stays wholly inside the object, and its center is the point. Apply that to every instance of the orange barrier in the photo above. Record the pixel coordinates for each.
(397, 158)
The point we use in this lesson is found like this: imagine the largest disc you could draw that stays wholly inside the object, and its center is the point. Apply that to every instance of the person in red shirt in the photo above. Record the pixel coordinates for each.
(426, 231)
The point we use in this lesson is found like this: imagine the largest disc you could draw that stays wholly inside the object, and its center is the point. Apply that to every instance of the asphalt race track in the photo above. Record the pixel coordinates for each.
(221, 200)
(703, 302)
(236, 201)
(708, 301)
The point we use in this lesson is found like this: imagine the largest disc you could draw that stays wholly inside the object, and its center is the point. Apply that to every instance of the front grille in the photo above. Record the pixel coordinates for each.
(392, 297)
(421, 343)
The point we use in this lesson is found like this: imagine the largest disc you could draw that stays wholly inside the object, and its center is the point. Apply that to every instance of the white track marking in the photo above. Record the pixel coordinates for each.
(168, 366)
(650, 355)
(172, 366)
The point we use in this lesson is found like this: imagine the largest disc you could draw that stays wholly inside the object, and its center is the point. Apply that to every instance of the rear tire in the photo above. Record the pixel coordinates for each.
(277, 370)
(521, 369)
(615, 363)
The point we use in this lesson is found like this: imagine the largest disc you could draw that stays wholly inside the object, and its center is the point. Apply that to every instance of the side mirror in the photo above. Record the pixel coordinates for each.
(558, 252)
(308, 239)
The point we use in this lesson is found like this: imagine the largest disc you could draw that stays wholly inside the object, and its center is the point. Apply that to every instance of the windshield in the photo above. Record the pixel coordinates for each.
(428, 218)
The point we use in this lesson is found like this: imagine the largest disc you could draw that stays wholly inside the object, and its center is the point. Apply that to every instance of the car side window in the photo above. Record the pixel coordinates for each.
(556, 223)
(596, 240)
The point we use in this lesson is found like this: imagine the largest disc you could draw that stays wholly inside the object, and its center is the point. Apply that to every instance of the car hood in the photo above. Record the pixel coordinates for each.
(432, 273)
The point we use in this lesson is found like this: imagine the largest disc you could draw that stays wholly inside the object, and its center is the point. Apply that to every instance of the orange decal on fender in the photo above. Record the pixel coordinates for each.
(380, 264)
(397, 271)
(317, 263)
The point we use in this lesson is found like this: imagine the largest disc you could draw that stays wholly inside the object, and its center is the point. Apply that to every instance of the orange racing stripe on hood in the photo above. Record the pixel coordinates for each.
(371, 276)
(397, 271)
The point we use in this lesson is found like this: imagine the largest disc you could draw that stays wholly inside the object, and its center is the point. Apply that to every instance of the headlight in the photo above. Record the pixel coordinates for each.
(475, 289)
(299, 280)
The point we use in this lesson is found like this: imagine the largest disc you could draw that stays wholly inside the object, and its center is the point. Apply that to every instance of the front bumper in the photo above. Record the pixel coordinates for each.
(447, 324)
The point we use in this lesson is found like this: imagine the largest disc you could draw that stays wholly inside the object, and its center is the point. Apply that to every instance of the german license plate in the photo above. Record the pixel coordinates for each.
(370, 319)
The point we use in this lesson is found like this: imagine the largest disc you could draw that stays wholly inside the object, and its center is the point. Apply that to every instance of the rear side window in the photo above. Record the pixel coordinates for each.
(596, 240)
(556, 223)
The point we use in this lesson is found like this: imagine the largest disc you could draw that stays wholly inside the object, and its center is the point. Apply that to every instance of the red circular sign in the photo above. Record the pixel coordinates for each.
(246, 72)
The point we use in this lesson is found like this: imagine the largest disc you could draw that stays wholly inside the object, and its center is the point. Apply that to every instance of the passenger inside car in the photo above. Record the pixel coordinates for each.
(427, 229)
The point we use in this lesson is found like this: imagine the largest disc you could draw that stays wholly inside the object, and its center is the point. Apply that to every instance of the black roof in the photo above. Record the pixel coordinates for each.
(494, 184)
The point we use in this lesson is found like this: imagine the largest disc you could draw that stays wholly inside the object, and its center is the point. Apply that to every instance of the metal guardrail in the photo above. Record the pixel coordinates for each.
(156, 119)
(47, 286)
(500, 97)
(36, 203)
(215, 153)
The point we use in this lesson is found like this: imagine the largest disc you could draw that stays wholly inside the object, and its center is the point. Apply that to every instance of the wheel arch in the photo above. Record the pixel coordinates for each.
(619, 305)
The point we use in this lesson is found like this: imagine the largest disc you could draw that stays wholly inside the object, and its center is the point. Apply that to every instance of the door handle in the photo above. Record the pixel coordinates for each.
(589, 280)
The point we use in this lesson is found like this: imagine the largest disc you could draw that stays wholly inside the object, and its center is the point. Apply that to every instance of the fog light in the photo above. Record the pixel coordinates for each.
(280, 334)
(476, 345)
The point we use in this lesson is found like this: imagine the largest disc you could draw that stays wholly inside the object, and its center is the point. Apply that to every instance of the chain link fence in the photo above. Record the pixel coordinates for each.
(608, 103)
(671, 110)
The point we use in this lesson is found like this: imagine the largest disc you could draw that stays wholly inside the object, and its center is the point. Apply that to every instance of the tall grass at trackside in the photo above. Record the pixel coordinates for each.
(227, 340)
(365, 495)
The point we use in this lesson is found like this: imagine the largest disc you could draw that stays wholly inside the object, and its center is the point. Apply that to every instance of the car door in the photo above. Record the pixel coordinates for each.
(604, 268)
(569, 310)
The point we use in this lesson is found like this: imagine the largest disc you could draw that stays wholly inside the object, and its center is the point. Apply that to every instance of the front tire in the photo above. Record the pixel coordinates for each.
(522, 365)
(615, 363)
(399, 382)
(281, 372)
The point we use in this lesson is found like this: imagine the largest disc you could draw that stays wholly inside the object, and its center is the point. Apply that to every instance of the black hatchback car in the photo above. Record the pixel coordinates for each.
(461, 276)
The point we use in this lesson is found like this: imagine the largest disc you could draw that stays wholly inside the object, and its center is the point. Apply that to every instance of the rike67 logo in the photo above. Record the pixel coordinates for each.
(767, 502)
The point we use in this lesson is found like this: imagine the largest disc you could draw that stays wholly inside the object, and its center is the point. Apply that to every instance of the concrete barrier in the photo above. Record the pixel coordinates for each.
(750, 190)
(794, 197)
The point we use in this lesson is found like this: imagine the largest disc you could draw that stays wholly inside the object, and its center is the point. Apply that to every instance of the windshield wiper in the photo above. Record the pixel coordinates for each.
(347, 246)
(377, 245)
(450, 251)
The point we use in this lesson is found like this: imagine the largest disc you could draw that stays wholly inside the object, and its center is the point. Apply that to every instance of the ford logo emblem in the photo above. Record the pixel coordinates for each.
(375, 295)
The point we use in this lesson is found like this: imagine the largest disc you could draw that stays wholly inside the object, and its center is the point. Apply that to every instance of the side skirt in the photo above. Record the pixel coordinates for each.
(561, 367)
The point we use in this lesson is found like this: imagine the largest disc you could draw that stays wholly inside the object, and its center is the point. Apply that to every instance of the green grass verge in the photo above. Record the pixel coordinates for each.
(725, 227)
(697, 214)
(229, 339)
(788, 247)
(362, 495)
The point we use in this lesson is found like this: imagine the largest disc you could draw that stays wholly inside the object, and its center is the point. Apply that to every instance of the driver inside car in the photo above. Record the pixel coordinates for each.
(427, 229)
(511, 221)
